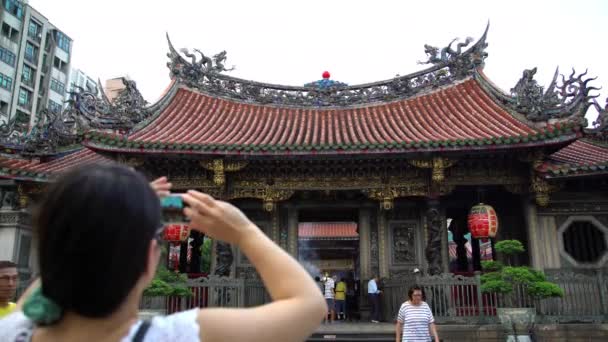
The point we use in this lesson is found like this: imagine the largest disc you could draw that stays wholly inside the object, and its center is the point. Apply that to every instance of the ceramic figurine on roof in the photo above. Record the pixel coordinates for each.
(84, 112)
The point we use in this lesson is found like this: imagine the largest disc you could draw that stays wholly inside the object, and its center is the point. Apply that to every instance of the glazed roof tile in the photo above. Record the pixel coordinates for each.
(320, 230)
(457, 116)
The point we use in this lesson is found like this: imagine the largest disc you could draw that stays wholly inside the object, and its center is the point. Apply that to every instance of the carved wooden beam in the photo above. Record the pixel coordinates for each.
(268, 195)
(437, 166)
(219, 167)
(130, 161)
(387, 194)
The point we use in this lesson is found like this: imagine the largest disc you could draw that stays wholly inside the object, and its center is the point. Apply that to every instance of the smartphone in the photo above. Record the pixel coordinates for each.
(172, 207)
(172, 202)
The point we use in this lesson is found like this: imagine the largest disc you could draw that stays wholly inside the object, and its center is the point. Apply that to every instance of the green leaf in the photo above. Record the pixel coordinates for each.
(491, 265)
(545, 289)
(496, 286)
(509, 247)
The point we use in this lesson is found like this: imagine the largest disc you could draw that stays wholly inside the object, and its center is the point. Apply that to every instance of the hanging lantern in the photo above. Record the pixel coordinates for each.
(483, 222)
(176, 232)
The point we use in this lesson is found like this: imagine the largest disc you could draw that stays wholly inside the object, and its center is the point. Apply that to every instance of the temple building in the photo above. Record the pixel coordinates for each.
(360, 180)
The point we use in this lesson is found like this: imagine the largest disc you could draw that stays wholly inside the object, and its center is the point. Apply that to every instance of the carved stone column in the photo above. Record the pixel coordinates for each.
(364, 243)
(434, 247)
(382, 244)
(224, 260)
(292, 231)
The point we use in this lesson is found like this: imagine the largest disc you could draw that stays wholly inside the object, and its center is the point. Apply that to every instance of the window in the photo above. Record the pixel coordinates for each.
(31, 52)
(25, 244)
(24, 97)
(34, 30)
(3, 108)
(63, 42)
(583, 241)
(6, 82)
(26, 75)
(14, 7)
(22, 121)
(57, 86)
(7, 56)
(54, 106)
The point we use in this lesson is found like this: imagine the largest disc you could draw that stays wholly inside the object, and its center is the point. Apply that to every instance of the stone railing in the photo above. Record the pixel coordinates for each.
(211, 292)
(458, 299)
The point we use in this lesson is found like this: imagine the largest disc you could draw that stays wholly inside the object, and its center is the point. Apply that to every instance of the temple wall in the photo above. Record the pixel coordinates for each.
(548, 233)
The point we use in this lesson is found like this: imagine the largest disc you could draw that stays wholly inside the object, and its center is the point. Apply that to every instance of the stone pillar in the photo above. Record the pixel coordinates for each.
(530, 216)
(364, 244)
(382, 244)
(275, 233)
(292, 231)
(445, 245)
(434, 247)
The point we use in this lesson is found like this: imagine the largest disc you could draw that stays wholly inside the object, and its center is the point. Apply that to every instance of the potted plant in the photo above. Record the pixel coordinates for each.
(503, 279)
(165, 284)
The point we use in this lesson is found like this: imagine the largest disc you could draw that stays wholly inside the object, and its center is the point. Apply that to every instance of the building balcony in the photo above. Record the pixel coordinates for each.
(32, 59)
(28, 83)
(35, 37)
(26, 106)
(9, 44)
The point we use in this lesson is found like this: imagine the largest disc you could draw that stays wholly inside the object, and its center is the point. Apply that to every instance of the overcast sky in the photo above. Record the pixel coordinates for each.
(293, 42)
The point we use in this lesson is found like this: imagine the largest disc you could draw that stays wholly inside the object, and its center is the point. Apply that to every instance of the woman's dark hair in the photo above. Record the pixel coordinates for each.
(410, 292)
(94, 226)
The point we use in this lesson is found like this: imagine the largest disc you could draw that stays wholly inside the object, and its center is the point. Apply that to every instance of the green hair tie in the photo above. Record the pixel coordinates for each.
(40, 309)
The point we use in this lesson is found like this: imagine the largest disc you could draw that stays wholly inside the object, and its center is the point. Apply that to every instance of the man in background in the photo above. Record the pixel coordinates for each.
(374, 298)
(330, 285)
(8, 286)
(341, 299)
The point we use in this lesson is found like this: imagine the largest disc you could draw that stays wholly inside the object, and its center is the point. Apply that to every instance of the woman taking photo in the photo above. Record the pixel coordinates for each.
(98, 230)
(415, 319)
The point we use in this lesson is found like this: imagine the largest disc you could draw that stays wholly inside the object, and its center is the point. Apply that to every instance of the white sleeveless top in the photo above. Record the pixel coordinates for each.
(181, 326)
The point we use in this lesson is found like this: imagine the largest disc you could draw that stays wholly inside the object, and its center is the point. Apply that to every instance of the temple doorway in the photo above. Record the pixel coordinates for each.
(328, 245)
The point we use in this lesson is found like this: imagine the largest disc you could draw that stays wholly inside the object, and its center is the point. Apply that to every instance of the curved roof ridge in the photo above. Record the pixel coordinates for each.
(206, 73)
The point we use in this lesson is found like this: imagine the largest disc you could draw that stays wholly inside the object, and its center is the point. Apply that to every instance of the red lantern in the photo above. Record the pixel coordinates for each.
(176, 232)
(483, 222)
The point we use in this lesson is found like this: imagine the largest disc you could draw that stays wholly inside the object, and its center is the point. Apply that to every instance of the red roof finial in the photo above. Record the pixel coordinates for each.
(326, 75)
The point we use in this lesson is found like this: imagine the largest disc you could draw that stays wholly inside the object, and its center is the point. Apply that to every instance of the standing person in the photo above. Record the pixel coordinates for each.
(415, 319)
(341, 299)
(99, 229)
(320, 284)
(374, 298)
(330, 285)
(8, 286)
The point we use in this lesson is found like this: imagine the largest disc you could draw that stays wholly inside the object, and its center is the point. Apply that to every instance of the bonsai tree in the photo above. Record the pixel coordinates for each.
(167, 283)
(502, 279)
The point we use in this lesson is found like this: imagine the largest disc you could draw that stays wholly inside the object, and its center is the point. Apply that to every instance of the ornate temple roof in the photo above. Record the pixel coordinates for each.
(581, 158)
(459, 116)
(33, 169)
(450, 106)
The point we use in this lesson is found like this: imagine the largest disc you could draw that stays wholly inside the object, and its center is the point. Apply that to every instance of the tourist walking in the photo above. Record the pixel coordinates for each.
(415, 321)
(99, 230)
(374, 298)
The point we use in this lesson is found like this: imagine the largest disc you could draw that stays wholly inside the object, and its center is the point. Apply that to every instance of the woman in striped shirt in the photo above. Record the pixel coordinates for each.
(415, 321)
